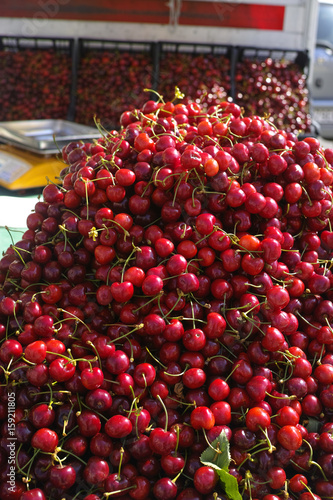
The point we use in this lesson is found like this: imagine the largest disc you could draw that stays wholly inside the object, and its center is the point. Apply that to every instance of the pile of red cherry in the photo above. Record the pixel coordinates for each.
(187, 69)
(276, 88)
(166, 320)
(35, 84)
(118, 78)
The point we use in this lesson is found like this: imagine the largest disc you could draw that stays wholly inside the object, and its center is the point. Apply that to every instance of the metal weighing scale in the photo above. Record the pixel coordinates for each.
(30, 150)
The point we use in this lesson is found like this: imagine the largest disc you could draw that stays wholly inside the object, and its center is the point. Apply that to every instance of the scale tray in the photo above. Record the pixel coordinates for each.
(45, 137)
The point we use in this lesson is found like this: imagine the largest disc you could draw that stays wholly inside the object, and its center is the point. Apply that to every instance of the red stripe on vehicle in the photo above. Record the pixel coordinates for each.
(223, 14)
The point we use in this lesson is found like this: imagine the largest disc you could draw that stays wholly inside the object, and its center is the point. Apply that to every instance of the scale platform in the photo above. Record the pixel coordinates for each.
(31, 150)
(21, 169)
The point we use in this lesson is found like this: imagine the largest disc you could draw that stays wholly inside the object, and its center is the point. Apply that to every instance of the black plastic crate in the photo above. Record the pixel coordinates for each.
(36, 77)
(208, 68)
(111, 78)
(196, 48)
(20, 43)
(273, 82)
(88, 44)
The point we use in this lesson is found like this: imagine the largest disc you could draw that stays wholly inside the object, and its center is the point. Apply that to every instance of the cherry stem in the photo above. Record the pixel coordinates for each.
(83, 491)
(73, 455)
(121, 227)
(6, 370)
(134, 402)
(73, 315)
(247, 483)
(199, 178)
(177, 434)
(249, 457)
(17, 322)
(132, 350)
(146, 303)
(232, 371)
(157, 360)
(181, 402)
(312, 462)
(193, 319)
(9, 231)
(321, 354)
(51, 396)
(97, 413)
(137, 414)
(138, 327)
(253, 323)
(165, 411)
(64, 427)
(66, 435)
(182, 469)
(180, 295)
(97, 353)
(298, 466)
(178, 374)
(216, 228)
(17, 251)
(126, 262)
(176, 189)
(160, 97)
(29, 464)
(217, 450)
(271, 448)
(7, 327)
(254, 447)
(306, 321)
(292, 397)
(309, 489)
(21, 471)
(121, 451)
(207, 306)
(46, 392)
(108, 494)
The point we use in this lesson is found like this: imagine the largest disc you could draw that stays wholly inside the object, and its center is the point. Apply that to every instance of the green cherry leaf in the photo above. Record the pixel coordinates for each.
(218, 454)
(230, 485)
(313, 425)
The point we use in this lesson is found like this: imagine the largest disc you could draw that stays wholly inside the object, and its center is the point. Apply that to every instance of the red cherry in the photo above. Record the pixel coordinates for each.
(92, 378)
(162, 442)
(118, 426)
(257, 418)
(45, 440)
(202, 417)
(205, 479)
(33, 494)
(96, 470)
(290, 437)
(122, 292)
(62, 477)
(89, 423)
